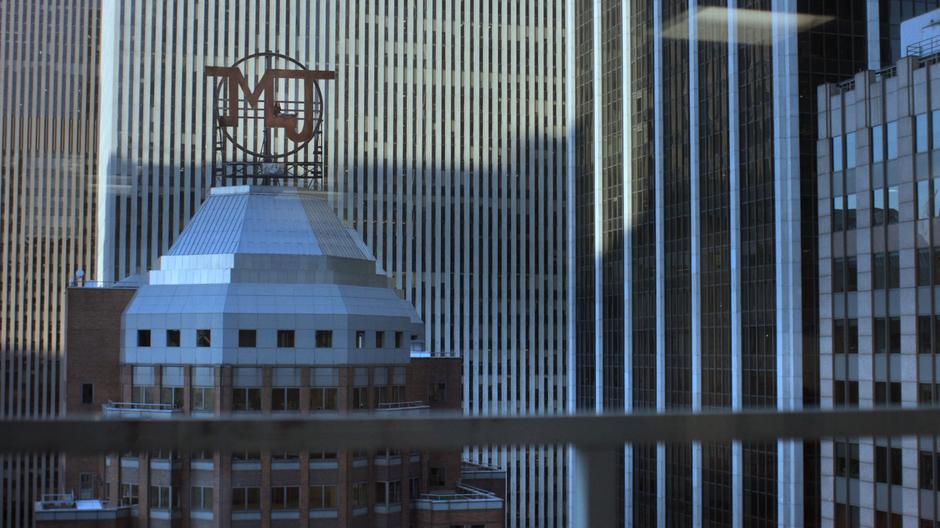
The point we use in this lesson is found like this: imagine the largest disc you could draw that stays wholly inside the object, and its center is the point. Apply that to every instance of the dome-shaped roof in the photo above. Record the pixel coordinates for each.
(267, 221)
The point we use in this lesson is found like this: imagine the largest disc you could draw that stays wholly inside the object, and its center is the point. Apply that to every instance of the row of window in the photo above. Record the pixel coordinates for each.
(887, 462)
(845, 393)
(282, 398)
(322, 496)
(887, 334)
(886, 272)
(285, 338)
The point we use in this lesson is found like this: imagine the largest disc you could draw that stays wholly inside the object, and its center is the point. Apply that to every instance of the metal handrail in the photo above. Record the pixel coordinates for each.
(370, 431)
(402, 405)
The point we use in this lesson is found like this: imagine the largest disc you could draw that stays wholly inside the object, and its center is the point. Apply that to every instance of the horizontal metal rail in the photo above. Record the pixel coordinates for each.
(370, 431)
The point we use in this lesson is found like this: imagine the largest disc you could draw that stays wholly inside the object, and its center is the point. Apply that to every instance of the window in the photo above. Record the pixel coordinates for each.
(285, 339)
(285, 399)
(129, 494)
(172, 338)
(935, 115)
(923, 267)
(885, 467)
(399, 339)
(86, 486)
(246, 399)
(323, 497)
(201, 498)
(285, 456)
(894, 199)
(360, 495)
(887, 393)
(285, 498)
(851, 207)
(379, 339)
(164, 498)
(922, 142)
(437, 477)
(360, 339)
(877, 144)
(891, 131)
(88, 393)
(172, 396)
(437, 392)
(414, 487)
(247, 338)
(388, 492)
(203, 338)
(246, 456)
(923, 199)
(837, 164)
(203, 399)
(322, 455)
(846, 459)
(847, 516)
(894, 335)
(886, 270)
(928, 469)
(142, 394)
(143, 338)
(246, 499)
(323, 399)
(844, 274)
(845, 393)
(878, 206)
(925, 393)
(888, 520)
(324, 338)
(850, 150)
(845, 336)
(360, 397)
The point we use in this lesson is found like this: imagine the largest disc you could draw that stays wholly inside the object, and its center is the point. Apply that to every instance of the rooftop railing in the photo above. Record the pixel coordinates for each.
(596, 440)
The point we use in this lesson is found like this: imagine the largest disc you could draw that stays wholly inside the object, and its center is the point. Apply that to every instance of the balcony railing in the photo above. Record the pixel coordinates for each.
(465, 498)
(131, 410)
(596, 440)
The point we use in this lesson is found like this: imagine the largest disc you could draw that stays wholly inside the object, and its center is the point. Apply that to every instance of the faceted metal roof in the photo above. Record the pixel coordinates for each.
(267, 220)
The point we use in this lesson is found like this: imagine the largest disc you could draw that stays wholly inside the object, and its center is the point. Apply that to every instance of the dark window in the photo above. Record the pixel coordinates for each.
(285, 399)
(925, 470)
(925, 393)
(894, 335)
(379, 339)
(923, 267)
(437, 392)
(323, 497)
(285, 498)
(399, 339)
(247, 338)
(846, 459)
(888, 464)
(285, 339)
(172, 338)
(143, 338)
(923, 334)
(246, 499)
(323, 398)
(923, 199)
(887, 393)
(437, 477)
(360, 397)
(847, 516)
(246, 399)
(88, 393)
(324, 339)
(203, 338)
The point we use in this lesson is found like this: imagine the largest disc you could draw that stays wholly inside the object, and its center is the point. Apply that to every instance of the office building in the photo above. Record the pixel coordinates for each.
(693, 246)
(879, 161)
(48, 131)
(443, 147)
(266, 304)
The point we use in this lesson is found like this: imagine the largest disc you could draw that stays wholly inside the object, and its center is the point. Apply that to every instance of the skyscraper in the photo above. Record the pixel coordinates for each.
(48, 136)
(694, 284)
(444, 148)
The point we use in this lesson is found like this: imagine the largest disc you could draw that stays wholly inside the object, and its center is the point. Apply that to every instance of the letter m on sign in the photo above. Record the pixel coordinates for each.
(272, 118)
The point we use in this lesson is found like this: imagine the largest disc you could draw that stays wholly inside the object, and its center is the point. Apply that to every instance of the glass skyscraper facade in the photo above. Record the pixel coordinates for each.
(48, 131)
(710, 214)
